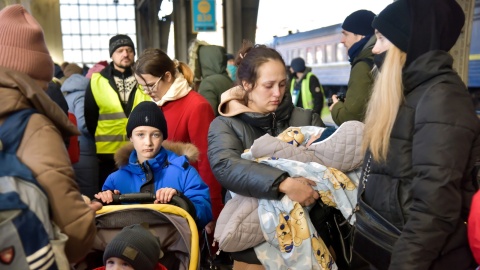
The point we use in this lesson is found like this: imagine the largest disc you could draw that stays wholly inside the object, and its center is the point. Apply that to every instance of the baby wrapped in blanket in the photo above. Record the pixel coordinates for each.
(303, 151)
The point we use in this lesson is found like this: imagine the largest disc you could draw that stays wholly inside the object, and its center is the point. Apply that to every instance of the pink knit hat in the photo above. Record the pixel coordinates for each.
(22, 44)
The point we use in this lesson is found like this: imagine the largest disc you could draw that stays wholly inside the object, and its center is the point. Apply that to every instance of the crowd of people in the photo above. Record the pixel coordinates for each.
(144, 126)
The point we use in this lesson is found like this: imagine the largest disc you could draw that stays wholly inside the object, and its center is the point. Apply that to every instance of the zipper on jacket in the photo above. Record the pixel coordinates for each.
(274, 125)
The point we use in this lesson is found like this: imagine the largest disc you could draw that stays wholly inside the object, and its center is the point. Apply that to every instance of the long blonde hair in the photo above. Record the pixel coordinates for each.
(387, 96)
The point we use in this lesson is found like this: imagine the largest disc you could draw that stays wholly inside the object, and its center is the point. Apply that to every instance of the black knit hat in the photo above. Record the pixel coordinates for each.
(135, 245)
(360, 22)
(119, 41)
(395, 24)
(298, 65)
(147, 113)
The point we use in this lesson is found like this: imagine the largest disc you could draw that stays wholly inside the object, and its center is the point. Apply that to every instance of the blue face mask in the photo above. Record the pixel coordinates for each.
(232, 71)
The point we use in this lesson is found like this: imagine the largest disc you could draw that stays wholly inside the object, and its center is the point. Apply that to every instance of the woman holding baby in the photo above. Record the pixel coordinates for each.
(257, 106)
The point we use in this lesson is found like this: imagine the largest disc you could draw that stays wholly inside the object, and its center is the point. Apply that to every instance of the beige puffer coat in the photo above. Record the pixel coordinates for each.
(42, 149)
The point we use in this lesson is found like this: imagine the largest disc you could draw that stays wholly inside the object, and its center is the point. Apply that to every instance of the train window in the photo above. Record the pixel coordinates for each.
(330, 53)
(309, 59)
(88, 25)
(301, 53)
(341, 52)
(319, 55)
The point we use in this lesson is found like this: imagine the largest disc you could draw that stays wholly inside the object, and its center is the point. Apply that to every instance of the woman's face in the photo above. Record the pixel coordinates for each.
(382, 44)
(269, 88)
(155, 87)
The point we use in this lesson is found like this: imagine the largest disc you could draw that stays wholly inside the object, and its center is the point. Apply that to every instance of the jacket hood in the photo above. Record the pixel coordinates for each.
(19, 91)
(189, 150)
(232, 103)
(76, 82)
(426, 67)
(213, 60)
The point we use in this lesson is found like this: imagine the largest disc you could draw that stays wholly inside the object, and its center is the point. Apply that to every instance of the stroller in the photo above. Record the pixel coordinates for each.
(172, 223)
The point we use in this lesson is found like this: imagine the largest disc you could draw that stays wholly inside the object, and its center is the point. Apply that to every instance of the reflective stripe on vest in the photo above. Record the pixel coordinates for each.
(307, 98)
(111, 132)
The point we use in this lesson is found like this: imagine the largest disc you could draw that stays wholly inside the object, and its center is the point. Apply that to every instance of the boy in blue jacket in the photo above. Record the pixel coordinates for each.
(149, 161)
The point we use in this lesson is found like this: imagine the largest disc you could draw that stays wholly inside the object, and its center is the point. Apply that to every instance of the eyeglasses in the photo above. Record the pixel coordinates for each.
(149, 89)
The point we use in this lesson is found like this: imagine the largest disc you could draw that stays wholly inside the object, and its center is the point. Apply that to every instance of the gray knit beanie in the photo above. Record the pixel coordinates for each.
(135, 245)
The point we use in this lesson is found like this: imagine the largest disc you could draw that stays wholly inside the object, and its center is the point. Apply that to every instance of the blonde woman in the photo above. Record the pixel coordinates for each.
(421, 130)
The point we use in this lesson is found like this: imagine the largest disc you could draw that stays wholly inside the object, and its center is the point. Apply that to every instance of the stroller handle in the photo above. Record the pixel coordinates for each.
(149, 198)
(133, 197)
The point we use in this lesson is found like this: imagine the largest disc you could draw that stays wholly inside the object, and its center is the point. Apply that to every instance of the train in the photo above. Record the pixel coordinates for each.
(328, 58)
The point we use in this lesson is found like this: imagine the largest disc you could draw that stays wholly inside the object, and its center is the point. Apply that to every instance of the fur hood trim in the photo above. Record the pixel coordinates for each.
(182, 149)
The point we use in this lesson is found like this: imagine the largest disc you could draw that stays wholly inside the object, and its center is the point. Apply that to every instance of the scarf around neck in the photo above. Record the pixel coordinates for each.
(356, 48)
(177, 90)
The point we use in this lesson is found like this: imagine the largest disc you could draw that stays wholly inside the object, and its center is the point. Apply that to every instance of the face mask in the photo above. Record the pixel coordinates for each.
(379, 58)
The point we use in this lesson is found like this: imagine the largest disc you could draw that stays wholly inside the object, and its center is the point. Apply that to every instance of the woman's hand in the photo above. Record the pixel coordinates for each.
(164, 195)
(106, 196)
(299, 189)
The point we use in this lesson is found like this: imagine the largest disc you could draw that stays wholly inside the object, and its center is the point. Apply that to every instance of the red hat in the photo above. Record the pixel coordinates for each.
(22, 44)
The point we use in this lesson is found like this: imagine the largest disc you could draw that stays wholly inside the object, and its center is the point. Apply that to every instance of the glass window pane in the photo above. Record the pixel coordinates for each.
(75, 27)
(102, 10)
(330, 56)
(93, 12)
(73, 10)
(84, 27)
(76, 42)
(112, 27)
(94, 27)
(67, 42)
(309, 56)
(126, 12)
(105, 54)
(65, 12)
(113, 13)
(86, 42)
(84, 12)
(319, 55)
(127, 27)
(66, 27)
(77, 56)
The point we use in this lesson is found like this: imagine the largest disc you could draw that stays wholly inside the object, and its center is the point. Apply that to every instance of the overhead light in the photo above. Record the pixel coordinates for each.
(166, 8)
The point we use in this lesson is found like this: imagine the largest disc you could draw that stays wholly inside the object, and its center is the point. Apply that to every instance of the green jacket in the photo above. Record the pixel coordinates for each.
(215, 80)
(359, 88)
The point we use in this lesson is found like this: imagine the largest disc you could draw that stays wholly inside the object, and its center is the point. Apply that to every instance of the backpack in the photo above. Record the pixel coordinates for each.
(27, 235)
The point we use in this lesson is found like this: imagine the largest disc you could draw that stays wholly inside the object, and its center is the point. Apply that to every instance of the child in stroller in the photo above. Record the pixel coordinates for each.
(132, 249)
(146, 166)
(150, 168)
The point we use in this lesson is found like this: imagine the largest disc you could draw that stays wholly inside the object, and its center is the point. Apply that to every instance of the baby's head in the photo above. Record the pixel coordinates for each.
(292, 135)
(134, 245)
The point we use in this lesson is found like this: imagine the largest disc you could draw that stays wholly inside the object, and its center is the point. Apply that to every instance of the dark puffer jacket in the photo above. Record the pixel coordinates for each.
(427, 187)
(228, 137)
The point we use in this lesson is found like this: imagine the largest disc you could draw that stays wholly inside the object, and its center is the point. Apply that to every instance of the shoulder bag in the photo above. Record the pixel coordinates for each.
(374, 236)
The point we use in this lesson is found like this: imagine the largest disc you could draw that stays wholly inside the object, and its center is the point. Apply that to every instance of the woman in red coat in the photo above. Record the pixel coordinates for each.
(188, 113)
